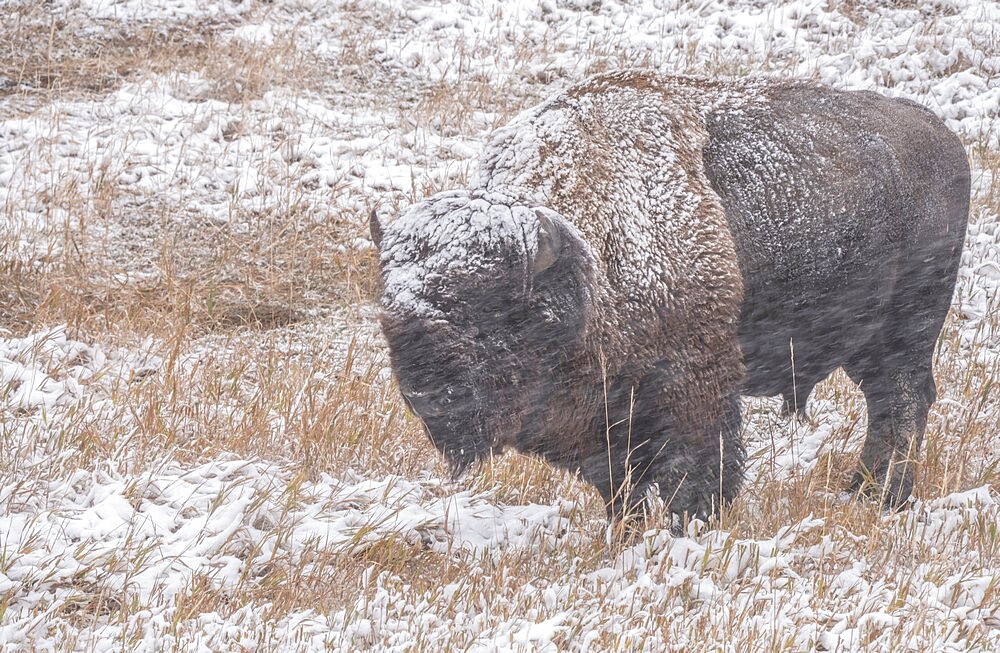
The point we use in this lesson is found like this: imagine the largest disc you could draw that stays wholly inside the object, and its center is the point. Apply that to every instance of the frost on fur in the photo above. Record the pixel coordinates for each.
(702, 225)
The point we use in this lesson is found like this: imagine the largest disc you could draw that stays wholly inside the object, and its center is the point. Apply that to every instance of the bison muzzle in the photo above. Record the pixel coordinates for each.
(639, 250)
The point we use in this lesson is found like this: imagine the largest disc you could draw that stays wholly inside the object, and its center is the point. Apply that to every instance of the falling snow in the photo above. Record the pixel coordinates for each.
(143, 531)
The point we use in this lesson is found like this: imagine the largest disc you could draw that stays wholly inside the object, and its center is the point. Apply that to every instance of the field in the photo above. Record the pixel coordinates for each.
(201, 446)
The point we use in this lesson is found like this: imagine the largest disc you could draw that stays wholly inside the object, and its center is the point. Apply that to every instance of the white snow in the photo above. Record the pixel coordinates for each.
(433, 235)
(148, 10)
(142, 532)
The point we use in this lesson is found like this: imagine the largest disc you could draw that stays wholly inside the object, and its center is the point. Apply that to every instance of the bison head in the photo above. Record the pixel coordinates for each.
(485, 304)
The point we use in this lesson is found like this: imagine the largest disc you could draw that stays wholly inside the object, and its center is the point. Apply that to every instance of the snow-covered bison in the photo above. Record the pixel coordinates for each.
(640, 249)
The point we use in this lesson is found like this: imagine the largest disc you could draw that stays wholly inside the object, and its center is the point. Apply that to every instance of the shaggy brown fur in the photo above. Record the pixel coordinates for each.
(590, 297)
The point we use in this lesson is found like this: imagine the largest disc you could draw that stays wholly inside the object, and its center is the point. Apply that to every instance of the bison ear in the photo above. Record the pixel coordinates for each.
(549, 243)
(375, 227)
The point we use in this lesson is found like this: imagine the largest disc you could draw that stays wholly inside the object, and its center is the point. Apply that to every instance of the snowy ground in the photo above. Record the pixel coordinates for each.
(200, 448)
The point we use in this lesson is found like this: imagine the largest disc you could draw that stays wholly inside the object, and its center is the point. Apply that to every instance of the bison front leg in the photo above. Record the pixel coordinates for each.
(617, 474)
(694, 470)
(699, 470)
(898, 401)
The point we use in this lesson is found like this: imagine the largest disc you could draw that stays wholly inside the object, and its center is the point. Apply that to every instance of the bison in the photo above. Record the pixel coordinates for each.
(640, 249)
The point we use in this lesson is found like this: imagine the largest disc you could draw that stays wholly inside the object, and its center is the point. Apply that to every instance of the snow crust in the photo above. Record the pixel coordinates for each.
(146, 531)
(454, 229)
(148, 10)
(941, 54)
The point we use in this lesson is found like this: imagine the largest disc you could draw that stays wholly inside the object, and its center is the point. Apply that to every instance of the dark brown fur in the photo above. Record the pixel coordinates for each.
(693, 223)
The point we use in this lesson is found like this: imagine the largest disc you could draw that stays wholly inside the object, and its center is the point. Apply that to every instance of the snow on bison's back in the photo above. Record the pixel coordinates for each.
(640, 249)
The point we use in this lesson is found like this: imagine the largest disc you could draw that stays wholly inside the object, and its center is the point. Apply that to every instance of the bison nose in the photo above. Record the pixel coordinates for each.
(426, 404)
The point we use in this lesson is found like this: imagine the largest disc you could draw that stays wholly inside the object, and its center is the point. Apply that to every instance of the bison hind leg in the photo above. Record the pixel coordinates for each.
(898, 401)
(895, 373)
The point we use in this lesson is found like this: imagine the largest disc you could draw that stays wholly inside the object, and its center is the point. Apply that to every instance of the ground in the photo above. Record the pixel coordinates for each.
(201, 447)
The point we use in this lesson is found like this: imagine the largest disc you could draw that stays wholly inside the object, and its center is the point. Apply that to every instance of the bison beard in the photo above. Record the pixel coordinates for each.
(639, 250)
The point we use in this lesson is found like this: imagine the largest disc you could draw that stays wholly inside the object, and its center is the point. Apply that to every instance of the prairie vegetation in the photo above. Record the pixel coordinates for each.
(200, 443)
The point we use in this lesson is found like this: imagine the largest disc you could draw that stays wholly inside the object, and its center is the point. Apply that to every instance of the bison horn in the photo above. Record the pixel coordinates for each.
(375, 227)
(549, 243)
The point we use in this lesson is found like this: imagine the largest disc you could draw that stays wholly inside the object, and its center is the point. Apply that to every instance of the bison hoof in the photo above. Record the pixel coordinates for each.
(893, 489)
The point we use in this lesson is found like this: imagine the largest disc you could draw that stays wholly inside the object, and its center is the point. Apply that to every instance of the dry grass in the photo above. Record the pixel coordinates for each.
(46, 56)
(270, 307)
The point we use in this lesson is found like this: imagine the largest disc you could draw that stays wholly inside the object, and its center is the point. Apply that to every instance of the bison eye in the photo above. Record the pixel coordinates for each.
(426, 404)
